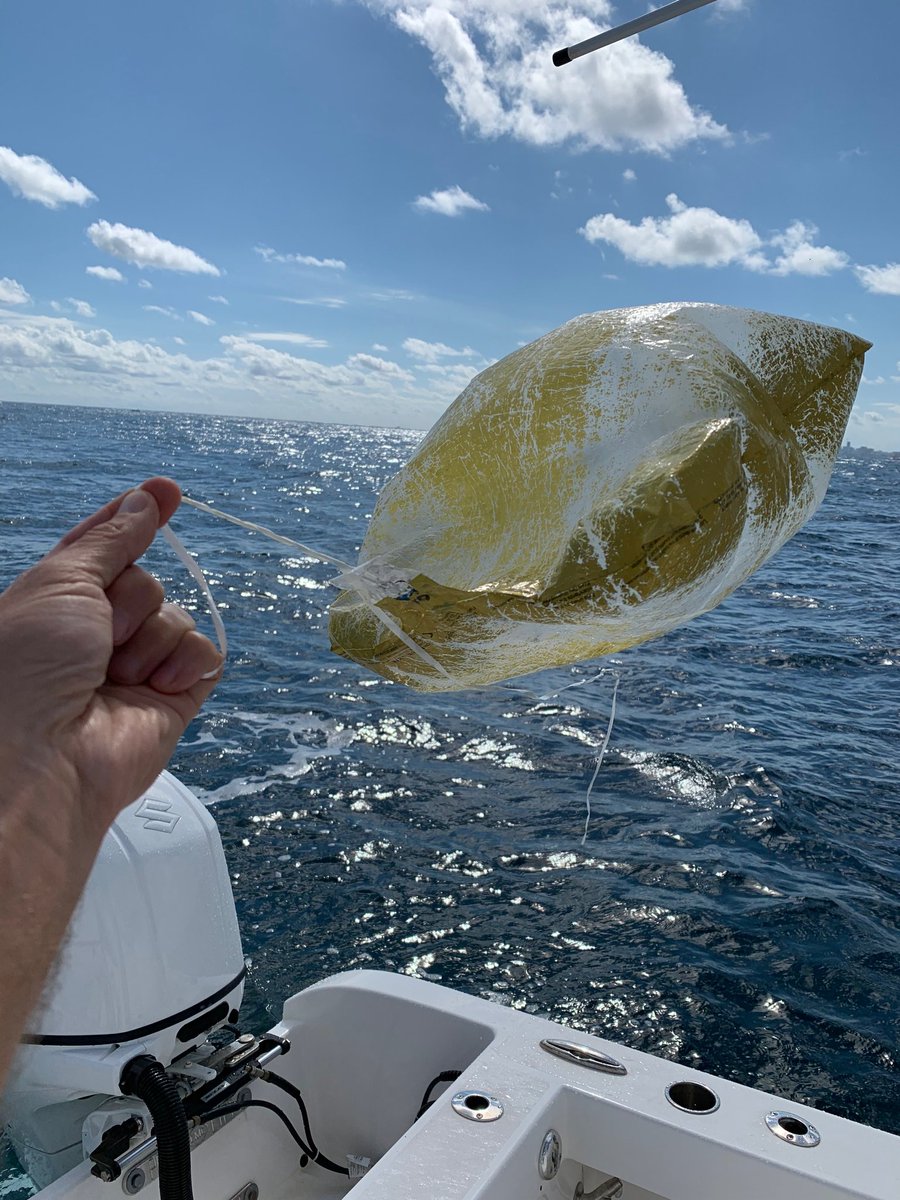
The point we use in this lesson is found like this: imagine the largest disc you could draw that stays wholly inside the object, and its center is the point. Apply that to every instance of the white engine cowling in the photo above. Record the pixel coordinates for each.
(151, 963)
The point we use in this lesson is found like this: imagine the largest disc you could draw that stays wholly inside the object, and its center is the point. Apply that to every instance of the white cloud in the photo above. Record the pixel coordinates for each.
(61, 346)
(382, 366)
(431, 352)
(876, 382)
(319, 302)
(36, 179)
(145, 249)
(388, 295)
(163, 310)
(702, 237)
(451, 378)
(378, 346)
(493, 58)
(146, 284)
(12, 292)
(450, 202)
(884, 281)
(82, 307)
(629, 176)
(200, 318)
(294, 339)
(179, 341)
(560, 188)
(219, 300)
(57, 360)
(303, 260)
(878, 427)
(110, 273)
(266, 363)
(800, 257)
(689, 237)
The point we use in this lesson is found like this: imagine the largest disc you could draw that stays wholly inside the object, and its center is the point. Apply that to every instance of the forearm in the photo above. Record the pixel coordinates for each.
(47, 849)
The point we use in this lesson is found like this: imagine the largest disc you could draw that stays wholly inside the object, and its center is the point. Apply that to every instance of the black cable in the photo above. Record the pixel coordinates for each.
(146, 1078)
(310, 1152)
(227, 1109)
(444, 1077)
(286, 1086)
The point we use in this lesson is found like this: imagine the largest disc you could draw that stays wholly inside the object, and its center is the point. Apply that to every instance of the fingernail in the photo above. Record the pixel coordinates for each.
(135, 502)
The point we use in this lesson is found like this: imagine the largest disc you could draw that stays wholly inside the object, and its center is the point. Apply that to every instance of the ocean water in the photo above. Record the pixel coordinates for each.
(736, 906)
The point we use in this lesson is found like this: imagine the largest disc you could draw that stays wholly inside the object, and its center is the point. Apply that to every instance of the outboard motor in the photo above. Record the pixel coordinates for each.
(152, 965)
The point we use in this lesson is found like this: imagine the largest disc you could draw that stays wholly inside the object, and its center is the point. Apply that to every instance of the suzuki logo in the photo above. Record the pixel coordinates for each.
(157, 816)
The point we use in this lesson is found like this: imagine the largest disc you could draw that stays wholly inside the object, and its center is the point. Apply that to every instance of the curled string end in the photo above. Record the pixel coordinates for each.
(196, 573)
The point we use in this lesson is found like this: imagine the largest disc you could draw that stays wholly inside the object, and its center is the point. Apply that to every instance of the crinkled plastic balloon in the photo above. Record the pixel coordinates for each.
(596, 488)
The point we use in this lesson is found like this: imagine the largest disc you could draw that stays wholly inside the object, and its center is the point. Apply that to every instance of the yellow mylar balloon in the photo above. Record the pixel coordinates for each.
(595, 489)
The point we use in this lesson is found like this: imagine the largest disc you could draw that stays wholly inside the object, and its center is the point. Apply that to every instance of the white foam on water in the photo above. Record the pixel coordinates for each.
(678, 779)
(299, 753)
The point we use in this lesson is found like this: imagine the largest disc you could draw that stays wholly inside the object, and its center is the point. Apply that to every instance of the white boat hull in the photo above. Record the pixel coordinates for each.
(365, 1045)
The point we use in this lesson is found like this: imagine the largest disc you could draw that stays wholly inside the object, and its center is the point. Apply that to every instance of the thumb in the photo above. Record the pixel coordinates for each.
(106, 549)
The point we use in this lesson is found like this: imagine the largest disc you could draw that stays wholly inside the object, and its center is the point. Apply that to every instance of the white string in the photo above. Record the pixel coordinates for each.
(218, 624)
(320, 555)
(404, 637)
(350, 577)
(578, 683)
(609, 729)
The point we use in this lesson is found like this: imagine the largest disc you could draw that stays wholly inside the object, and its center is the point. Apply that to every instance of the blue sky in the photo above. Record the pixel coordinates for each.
(342, 211)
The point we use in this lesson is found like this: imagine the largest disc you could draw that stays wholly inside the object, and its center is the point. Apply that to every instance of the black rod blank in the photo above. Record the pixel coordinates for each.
(657, 17)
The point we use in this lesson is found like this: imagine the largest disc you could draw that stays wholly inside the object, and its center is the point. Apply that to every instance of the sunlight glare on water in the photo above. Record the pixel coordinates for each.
(737, 903)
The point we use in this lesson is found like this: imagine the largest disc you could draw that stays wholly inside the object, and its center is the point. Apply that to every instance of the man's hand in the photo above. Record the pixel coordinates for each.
(98, 679)
(98, 676)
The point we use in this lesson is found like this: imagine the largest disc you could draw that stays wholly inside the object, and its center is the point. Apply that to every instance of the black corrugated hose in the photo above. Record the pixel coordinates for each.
(146, 1078)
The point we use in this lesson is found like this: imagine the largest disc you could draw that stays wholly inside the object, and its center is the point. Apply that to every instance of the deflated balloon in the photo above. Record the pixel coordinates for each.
(596, 488)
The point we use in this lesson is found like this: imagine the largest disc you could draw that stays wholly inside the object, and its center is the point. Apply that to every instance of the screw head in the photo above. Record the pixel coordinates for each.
(134, 1181)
